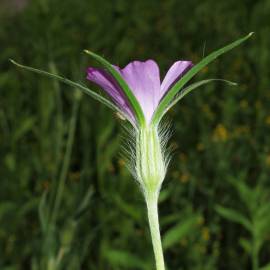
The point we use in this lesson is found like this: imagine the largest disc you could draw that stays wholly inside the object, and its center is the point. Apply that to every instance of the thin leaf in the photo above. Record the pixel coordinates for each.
(234, 216)
(25, 126)
(7, 207)
(246, 245)
(43, 212)
(247, 194)
(190, 74)
(169, 219)
(263, 211)
(127, 208)
(182, 229)
(75, 85)
(192, 87)
(84, 204)
(122, 258)
(266, 267)
(122, 83)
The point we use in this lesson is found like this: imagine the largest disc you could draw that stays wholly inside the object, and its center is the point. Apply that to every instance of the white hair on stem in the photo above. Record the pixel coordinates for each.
(146, 154)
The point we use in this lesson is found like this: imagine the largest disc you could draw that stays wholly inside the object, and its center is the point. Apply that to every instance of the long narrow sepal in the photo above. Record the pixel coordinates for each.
(116, 75)
(168, 98)
(192, 87)
(84, 89)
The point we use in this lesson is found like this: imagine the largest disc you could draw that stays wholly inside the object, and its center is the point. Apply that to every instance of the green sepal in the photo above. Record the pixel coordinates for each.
(192, 87)
(122, 83)
(168, 98)
(84, 89)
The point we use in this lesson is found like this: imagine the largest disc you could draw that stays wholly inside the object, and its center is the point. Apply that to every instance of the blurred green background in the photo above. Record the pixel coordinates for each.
(215, 202)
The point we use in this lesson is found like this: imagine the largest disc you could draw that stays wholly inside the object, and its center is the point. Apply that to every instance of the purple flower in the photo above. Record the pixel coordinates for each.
(143, 79)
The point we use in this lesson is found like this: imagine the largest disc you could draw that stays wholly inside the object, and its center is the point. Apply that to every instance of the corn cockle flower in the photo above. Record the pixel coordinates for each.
(149, 166)
(137, 94)
(143, 79)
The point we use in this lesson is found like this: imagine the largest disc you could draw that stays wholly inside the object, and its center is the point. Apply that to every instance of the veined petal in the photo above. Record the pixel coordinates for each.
(109, 85)
(177, 70)
(144, 80)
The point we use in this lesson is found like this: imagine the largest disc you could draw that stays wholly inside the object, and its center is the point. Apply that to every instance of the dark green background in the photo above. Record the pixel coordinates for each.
(218, 180)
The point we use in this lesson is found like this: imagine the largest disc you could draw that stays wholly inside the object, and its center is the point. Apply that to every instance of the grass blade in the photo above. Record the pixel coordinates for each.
(234, 216)
(179, 231)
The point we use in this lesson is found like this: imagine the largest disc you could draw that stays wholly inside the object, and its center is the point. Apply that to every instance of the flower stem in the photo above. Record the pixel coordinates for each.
(152, 211)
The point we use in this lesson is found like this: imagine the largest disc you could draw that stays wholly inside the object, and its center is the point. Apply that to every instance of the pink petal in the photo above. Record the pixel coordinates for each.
(144, 81)
(177, 70)
(110, 86)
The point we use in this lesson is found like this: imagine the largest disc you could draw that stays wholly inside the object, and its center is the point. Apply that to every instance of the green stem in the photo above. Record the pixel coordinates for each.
(255, 261)
(66, 161)
(152, 211)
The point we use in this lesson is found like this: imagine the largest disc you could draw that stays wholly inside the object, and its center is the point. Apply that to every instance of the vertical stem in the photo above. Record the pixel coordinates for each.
(51, 264)
(255, 261)
(66, 161)
(152, 211)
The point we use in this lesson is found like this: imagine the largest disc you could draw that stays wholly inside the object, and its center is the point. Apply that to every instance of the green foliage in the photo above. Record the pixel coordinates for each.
(255, 219)
(222, 156)
(234, 216)
(121, 258)
(179, 231)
